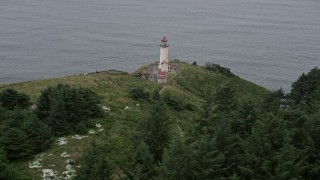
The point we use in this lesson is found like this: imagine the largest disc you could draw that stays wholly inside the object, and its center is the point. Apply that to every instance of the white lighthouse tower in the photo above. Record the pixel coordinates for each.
(164, 61)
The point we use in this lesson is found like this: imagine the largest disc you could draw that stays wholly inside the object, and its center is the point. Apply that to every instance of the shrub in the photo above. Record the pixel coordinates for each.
(306, 86)
(11, 98)
(216, 67)
(23, 135)
(177, 102)
(62, 107)
(139, 93)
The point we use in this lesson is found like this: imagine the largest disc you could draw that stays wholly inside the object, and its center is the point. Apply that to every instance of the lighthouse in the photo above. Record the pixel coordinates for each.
(164, 61)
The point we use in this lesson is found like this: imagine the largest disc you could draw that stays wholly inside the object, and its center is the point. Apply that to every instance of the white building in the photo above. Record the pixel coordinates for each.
(163, 67)
(162, 77)
(164, 60)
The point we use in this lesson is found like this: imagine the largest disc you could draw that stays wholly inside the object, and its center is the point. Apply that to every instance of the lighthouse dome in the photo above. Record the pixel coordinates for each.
(164, 39)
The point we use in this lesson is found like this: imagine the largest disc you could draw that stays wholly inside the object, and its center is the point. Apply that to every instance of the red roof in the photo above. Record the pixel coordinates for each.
(164, 39)
(161, 73)
(162, 77)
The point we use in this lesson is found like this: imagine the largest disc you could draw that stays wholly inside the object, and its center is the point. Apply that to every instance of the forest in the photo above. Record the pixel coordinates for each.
(222, 133)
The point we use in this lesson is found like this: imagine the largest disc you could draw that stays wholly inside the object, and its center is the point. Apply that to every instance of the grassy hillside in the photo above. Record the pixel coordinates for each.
(184, 95)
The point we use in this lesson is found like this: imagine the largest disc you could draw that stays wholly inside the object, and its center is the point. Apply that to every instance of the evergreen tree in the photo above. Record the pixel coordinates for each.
(58, 118)
(11, 98)
(268, 137)
(225, 99)
(94, 164)
(155, 96)
(179, 161)
(313, 131)
(209, 160)
(62, 107)
(24, 135)
(274, 101)
(206, 124)
(290, 163)
(15, 120)
(139, 94)
(39, 134)
(141, 166)
(303, 89)
(242, 121)
(295, 121)
(6, 170)
(315, 102)
(4, 114)
(16, 144)
(228, 144)
(44, 103)
(155, 131)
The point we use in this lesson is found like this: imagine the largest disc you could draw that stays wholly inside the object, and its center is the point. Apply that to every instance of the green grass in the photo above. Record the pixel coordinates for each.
(190, 86)
(202, 83)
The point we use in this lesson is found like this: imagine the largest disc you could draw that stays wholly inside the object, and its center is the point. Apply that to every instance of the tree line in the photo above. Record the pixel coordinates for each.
(277, 138)
(26, 131)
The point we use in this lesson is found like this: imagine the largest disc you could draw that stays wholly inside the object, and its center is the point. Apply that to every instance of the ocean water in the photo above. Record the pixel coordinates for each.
(268, 42)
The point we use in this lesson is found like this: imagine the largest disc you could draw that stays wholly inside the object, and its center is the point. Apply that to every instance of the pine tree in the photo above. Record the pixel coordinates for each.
(15, 120)
(295, 121)
(141, 166)
(39, 134)
(155, 131)
(228, 143)
(206, 124)
(16, 144)
(290, 163)
(303, 89)
(209, 160)
(269, 135)
(62, 107)
(44, 103)
(312, 127)
(58, 118)
(179, 161)
(11, 98)
(243, 119)
(94, 164)
(225, 99)
(6, 170)
(274, 101)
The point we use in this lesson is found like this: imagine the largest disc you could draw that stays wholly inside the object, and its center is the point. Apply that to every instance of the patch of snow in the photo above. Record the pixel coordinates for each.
(105, 108)
(48, 174)
(65, 155)
(35, 164)
(91, 132)
(51, 165)
(50, 154)
(98, 125)
(69, 167)
(33, 107)
(79, 137)
(100, 130)
(127, 107)
(69, 173)
(62, 141)
(40, 156)
(138, 105)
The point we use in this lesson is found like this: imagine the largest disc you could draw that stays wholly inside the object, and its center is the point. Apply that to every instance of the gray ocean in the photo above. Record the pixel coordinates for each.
(268, 42)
